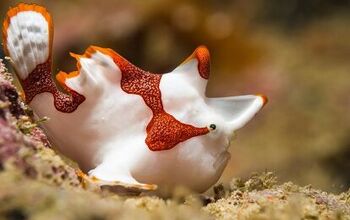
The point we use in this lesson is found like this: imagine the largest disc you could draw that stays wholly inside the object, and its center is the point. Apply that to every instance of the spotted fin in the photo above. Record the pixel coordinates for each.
(27, 37)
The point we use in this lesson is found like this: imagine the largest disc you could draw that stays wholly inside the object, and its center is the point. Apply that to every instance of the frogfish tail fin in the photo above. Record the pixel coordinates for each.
(27, 39)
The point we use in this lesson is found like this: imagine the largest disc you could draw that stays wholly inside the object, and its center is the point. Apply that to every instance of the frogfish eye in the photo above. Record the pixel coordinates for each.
(212, 127)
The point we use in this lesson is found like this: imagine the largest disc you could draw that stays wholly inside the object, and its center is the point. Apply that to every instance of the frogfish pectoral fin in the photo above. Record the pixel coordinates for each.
(237, 110)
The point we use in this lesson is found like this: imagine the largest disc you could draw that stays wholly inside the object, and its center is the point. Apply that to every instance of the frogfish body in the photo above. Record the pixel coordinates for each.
(121, 124)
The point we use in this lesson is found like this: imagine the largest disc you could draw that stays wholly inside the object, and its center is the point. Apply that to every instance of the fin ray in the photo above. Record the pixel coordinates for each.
(27, 37)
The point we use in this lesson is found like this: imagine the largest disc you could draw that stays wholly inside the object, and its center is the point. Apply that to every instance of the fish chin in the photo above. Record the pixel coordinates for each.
(221, 161)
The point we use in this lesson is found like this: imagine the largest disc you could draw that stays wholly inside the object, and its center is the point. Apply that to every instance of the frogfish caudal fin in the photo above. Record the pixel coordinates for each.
(27, 40)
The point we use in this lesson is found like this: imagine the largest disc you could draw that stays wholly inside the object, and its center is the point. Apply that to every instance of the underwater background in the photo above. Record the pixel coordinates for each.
(296, 52)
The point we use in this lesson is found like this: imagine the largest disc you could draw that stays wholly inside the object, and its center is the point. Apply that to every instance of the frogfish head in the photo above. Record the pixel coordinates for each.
(183, 96)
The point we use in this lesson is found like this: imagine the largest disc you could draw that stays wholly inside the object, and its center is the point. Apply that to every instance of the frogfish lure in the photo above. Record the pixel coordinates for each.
(125, 126)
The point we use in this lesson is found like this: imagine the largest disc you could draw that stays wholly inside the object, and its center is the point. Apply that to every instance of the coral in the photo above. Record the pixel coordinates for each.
(37, 183)
(24, 145)
(260, 197)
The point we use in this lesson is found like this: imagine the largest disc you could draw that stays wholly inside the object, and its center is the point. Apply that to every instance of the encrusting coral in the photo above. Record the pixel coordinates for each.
(260, 197)
(37, 183)
(24, 145)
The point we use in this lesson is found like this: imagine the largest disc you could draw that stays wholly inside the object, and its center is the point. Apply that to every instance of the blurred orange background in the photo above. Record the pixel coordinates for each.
(296, 52)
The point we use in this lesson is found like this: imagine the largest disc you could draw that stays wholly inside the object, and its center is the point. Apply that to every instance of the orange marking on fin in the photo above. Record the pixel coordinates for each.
(106, 51)
(203, 56)
(264, 98)
(87, 54)
(74, 55)
(27, 7)
(61, 77)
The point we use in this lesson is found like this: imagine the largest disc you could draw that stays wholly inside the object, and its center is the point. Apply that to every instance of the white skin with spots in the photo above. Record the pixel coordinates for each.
(106, 134)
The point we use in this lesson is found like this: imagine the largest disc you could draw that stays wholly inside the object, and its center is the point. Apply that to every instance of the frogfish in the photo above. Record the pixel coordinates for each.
(122, 125)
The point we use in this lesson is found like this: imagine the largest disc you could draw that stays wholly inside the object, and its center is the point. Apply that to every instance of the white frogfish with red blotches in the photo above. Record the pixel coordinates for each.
(125, 126)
